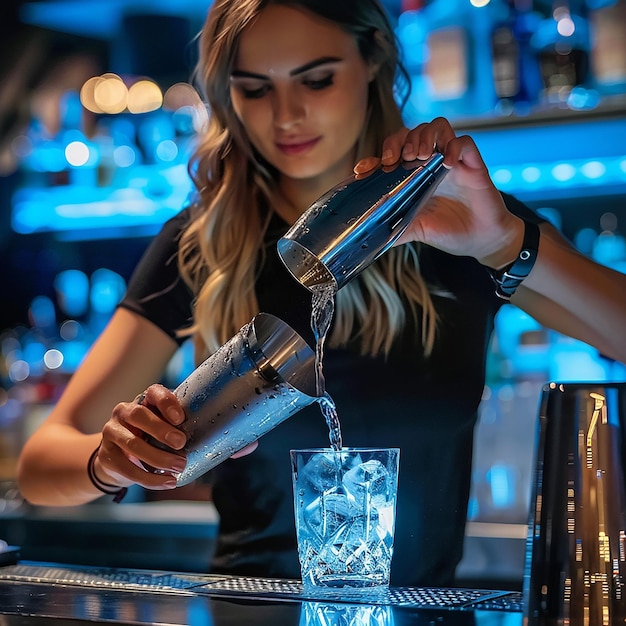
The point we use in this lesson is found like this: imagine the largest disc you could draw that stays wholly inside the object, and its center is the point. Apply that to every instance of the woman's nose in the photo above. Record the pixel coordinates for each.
(288, 109)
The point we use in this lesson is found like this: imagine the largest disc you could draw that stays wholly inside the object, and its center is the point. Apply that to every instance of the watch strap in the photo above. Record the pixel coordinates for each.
(509, 278)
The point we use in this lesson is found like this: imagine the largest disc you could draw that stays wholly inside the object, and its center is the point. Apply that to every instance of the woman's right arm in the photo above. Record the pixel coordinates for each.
(96, 407)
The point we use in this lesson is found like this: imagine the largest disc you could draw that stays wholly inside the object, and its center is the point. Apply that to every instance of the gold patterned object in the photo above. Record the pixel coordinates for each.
(576, 558)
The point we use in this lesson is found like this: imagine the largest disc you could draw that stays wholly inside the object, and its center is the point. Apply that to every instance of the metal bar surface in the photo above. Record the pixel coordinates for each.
(42, 593)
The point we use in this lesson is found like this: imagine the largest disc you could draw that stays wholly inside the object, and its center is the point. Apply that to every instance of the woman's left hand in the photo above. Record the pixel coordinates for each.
(466, 215)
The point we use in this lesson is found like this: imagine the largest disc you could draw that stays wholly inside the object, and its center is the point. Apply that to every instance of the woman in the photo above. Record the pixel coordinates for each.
(300, 91)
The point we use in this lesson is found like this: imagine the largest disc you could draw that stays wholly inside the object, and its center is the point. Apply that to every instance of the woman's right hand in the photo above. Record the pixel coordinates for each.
(124, 452)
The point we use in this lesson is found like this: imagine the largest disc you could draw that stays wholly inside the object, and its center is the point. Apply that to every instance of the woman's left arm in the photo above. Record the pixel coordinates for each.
(576, 296)
(565, 290)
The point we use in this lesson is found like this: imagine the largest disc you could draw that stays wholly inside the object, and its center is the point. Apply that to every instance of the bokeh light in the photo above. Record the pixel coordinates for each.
(593, 169)
(531, 174)
(144, 96)
(502, 176)
(563, 172)
(180, 95)
(87, 94)
(124, 156)
(110, 94)
(77, 153)
(53, 359)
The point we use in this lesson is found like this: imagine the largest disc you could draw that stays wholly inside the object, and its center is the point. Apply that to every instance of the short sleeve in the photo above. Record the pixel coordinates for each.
(156, 290)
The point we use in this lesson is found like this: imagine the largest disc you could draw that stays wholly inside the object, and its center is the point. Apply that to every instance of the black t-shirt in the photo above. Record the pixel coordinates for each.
(427, 407)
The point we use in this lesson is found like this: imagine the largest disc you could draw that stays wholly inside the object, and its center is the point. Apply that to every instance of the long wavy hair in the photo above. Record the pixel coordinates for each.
(221, 250)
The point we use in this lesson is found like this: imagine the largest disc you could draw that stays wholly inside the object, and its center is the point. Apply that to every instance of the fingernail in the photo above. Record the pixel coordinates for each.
(174, 416)
(424, 150)
(407, 150)
(178, 466)
(175, 438)
(170, 482)
(387, 155)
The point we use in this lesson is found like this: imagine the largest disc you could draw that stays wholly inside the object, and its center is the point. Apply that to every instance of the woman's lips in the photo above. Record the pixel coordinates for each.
(297, 147)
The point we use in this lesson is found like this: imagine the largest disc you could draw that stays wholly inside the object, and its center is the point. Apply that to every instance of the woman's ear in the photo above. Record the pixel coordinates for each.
(380, 45)
(372, 71)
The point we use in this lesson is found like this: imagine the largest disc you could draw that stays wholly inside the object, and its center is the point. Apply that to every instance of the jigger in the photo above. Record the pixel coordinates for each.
(356, 221)
(576, 553)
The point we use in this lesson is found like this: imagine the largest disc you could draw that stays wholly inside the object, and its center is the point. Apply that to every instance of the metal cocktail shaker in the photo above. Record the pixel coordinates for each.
(256, 380)
(356, 221)
(576, 554)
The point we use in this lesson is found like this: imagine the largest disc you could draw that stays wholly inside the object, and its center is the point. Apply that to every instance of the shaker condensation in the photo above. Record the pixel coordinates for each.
(256, 380)
(356, 221)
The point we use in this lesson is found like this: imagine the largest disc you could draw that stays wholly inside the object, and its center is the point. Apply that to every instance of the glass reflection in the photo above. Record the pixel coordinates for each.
(325, 614)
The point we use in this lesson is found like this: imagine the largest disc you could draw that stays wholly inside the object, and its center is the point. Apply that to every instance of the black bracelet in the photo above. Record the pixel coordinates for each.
(508, 279)
(110, 490)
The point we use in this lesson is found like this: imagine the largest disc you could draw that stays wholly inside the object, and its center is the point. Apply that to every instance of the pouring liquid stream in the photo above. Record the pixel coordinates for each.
(322, 311)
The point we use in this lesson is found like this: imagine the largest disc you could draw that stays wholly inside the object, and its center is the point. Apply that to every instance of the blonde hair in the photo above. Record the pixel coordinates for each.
(220, 251)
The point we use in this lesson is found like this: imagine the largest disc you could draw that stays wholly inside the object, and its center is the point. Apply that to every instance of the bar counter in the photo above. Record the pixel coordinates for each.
(37, 593)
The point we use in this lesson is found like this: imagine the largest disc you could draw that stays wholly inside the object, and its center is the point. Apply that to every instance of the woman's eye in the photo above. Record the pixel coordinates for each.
(319, 83)
(253, 94)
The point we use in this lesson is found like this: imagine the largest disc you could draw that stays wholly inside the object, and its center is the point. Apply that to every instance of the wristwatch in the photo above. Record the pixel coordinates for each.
(509, 278)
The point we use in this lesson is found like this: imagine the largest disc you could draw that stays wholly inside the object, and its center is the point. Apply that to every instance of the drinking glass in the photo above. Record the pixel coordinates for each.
(345, 509)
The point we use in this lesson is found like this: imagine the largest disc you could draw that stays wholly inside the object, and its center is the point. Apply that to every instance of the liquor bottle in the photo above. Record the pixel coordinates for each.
(562, 44)
(412, 33)
(517, 80)
(607, 21)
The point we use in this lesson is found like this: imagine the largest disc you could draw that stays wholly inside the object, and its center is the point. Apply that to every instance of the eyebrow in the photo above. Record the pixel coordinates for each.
(298, 70)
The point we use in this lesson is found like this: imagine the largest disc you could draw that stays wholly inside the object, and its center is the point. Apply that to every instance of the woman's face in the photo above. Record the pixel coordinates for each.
(299, 87)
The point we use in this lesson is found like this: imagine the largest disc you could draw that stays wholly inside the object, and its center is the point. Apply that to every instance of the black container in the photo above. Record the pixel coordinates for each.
(576, 555)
